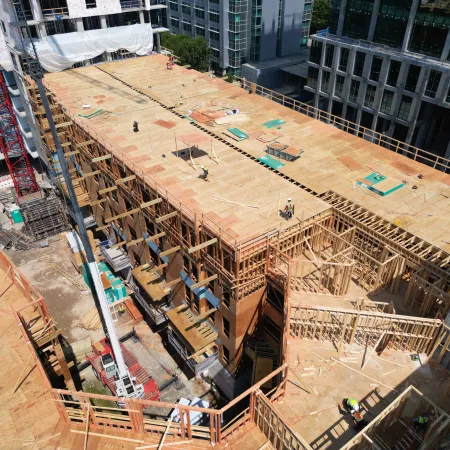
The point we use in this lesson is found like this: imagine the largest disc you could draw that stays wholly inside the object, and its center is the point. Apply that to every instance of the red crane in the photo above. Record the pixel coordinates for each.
(13, 147)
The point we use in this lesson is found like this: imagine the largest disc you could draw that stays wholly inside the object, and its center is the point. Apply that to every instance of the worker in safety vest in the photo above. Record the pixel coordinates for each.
(351, 405)
(205, 173)
(289, 208)
(421, 422)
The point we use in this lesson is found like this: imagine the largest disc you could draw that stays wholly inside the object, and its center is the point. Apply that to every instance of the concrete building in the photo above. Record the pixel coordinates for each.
(385, 65)
(56, 23)
(240, 31)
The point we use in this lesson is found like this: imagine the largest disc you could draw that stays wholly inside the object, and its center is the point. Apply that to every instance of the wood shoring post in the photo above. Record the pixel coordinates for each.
(373, 349)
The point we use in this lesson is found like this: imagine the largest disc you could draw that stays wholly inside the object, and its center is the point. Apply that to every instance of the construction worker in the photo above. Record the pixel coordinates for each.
(359, 420)
(420, 423)
(351, 405)
(135, 126)
(205, 173)
(169, 64)
(289, 209)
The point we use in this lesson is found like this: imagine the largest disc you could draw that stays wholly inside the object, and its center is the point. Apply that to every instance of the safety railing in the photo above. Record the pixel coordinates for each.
(55, 13)
(130, 4)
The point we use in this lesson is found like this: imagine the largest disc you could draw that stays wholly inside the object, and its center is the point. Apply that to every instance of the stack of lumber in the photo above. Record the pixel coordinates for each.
(90, 321)
(134, 313)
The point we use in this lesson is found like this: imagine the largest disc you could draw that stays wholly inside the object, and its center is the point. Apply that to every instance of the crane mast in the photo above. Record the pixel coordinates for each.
(125, 383)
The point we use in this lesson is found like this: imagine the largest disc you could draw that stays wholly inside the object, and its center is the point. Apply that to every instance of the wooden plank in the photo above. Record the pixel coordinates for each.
(120, 244)
(82, 144)
(66, 144)
(150, 203)
(155, 269)
(119, 438)
(101, 158)
(126, 213)
(87, 175)
(124, 180)
(203, 282)
(203, 350)
(136, 241)
(97, 202)
(75, 152)
(64, 124)
(171, 283)
(167, 216)
(373, 350)
(201, 317)
(200, 246)
(156, 236)
(106, 190)
(104, 227)
(48, 338)
(170, 251)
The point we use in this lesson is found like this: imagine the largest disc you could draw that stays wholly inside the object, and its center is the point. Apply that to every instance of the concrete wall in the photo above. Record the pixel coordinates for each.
(270, 11)
(77, 8)
(292, 27)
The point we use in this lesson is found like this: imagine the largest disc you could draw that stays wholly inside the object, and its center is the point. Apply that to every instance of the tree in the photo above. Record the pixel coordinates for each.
(320, 15)
(190, 51)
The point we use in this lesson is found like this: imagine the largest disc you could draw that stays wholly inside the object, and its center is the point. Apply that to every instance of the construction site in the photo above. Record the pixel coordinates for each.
(241, 321)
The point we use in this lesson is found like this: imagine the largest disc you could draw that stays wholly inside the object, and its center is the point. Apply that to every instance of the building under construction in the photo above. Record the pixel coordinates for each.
(348, 298)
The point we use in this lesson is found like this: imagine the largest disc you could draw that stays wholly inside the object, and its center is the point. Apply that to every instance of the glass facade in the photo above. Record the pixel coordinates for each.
(325, 85)
(359, 63)
(391, 22)
(313, 76)
(430, 28)
(343, 59)
(433, 82)
(370, 96)
(339, 85)
(329, 53)
(386, 102)
(335, 8)
(316, 52)
(405, 107)
(376, 68)
(357, 18)
(394, 71)
(354, 90)
(255, 30)
(412, 78)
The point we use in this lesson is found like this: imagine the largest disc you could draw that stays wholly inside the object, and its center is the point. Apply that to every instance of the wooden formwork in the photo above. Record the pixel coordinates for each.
(399, 415)
(342, 326)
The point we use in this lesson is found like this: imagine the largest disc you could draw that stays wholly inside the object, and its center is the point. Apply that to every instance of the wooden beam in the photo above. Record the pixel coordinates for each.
(170, 251)
(167, 216)
(48, 338)
(124, 180)
(82, 144)
(107, 436)
(127, 213)
(102, 228)
(203, 282)
(110, 189)
(200, 246)
(75, 152)
(64, 124)
(97, 202)
(136, 241)
(66, 144)
(156, 236)
(204, 349)
(87, 175)
(155, 269)
(153, 202)
(200, 317)
(101, 158)
(171, 283)
(119, 244)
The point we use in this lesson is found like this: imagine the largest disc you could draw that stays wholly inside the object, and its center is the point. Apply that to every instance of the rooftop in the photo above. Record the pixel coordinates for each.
(243, 196)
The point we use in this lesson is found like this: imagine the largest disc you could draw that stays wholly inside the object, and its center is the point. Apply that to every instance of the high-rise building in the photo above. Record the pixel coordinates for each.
(385, 65)
(240, 31)
(71, 33)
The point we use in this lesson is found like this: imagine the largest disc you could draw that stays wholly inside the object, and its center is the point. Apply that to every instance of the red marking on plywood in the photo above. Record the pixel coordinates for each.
(199, 117)
(168, 124)
(99, 96)
(154, 169)
(404, 168)
(350, 163)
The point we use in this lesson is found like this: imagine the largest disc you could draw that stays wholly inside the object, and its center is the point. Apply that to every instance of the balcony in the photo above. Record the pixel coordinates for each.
(131, 4)
(55, 13)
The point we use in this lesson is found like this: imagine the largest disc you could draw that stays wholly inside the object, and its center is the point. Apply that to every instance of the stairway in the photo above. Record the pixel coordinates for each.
(410, 440)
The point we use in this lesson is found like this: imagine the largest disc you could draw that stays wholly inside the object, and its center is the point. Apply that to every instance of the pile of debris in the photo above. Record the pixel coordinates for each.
(14, 239)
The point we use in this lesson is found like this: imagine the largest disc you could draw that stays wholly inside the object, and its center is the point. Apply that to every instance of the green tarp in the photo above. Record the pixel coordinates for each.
(271, 162)
(238, 133)
(273, 123)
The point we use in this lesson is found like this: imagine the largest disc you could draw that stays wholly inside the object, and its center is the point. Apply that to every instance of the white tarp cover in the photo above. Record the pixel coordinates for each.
(58, 52)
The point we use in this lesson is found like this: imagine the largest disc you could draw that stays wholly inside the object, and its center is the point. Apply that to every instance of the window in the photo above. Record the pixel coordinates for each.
(173, 6)
(359, 64)
(412, 78)
(199, 12)
(186, 8)
(405, 107)
(370, 96)
(354, 90)
(339, 85)
(329, 53)
(226, 295)
(343, 59)
(448, 95)
(313, 76)
(376, 68)
(91, 3)
(187, 27)
(214, 1)
(174, 22)
(199, 31)
(215, 53)
(325, 81)
(214, 17)
(386, 102)
(394, 70)
(433, 83)
(226, 327)
(214, 35)
(226, 354)
(316, 52)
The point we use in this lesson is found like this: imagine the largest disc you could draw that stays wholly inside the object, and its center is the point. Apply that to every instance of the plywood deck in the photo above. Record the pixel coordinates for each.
(242, 196)
(332, 159)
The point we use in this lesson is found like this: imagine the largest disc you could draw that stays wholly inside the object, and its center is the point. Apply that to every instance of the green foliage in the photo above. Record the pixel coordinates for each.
(320, 15)
(190, 51)
(229, 78)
